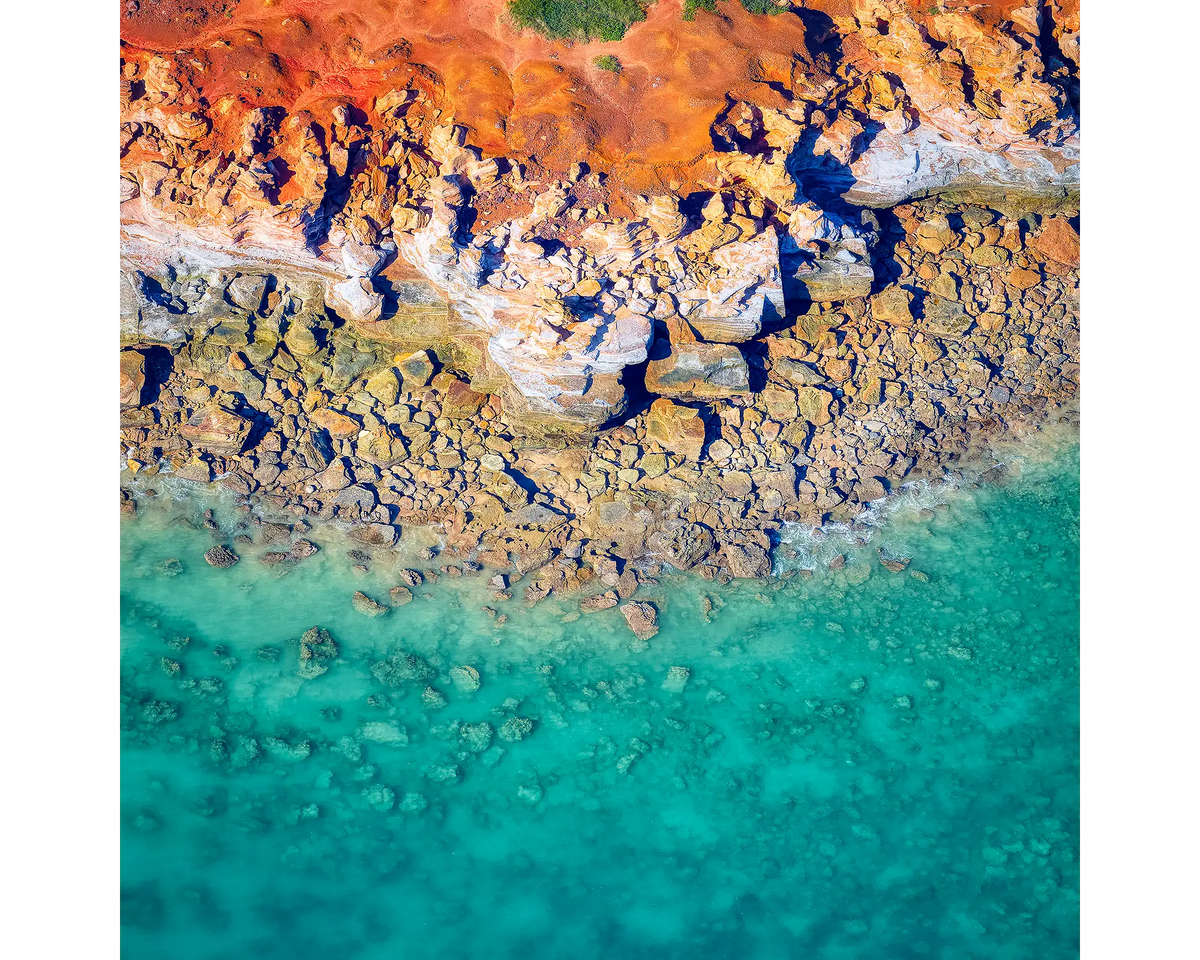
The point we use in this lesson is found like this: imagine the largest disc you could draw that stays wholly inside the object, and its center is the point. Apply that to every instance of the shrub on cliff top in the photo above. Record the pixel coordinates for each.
(769, 7)
(577, 19)
(691, 7)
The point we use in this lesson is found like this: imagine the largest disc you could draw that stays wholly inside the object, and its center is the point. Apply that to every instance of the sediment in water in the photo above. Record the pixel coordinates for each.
(800, 761)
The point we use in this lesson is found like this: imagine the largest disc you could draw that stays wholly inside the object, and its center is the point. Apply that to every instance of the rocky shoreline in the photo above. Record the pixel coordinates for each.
(567, 323)
(976, 338)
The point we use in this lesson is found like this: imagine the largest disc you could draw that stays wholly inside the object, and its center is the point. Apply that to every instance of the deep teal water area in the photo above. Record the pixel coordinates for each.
(857, 764)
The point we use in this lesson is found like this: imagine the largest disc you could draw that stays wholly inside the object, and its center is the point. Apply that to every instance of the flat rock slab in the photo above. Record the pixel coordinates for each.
(642, 619)
(828, 280)
(703, 370)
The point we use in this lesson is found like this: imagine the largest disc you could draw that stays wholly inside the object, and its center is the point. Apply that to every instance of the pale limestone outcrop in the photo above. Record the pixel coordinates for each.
(960, 102)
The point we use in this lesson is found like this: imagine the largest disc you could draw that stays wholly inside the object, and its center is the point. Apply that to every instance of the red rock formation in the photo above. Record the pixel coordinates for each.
(363, 143)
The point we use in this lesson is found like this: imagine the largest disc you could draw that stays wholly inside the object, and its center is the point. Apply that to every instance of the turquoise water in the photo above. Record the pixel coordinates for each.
(857, 764)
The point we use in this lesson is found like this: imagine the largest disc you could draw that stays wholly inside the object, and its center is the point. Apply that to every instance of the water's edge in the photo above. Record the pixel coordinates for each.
(856, 762)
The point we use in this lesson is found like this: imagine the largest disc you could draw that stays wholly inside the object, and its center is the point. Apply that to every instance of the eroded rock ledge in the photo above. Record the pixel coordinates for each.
(349, 290)
(973, 338)
(555, 284)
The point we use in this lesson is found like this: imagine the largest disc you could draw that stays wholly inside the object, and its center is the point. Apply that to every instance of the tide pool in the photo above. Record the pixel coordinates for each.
(858, 764)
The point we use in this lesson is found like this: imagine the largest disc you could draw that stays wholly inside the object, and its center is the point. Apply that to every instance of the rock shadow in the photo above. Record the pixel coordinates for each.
(158, 368)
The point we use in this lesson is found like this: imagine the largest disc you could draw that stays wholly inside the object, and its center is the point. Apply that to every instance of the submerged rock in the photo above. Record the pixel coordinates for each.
(466, 678)
(317, 649)
(365, 605)
(220, 557)
(515, 729)
(444, 773)
(677, 679)
(385, 732)
(171, 567)
(642, 618)
(413, 803)
(476, 737)
(433, 699)
(401, 668)
(379, 797)
(400, 596)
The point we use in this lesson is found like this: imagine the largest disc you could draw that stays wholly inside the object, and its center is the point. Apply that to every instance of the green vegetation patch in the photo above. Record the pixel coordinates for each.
(577, 19)
(769, 7)
(690, 8)
(608, 62)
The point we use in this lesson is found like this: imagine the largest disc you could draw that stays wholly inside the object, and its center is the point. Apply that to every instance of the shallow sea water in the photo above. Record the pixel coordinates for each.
(859, 764)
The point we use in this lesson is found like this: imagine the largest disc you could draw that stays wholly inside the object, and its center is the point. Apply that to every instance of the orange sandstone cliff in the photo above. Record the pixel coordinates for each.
(432, 176)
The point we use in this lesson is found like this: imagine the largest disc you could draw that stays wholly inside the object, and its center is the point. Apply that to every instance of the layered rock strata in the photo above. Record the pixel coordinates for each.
(395, 268)
(973, 337)
(547, 284)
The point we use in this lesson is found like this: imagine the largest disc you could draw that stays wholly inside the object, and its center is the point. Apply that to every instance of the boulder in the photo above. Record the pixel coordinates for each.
(384, 386)
(220, 557)
(675, 427)
(338, 424)
(361, 259)
(837, 276)
(380, 446)
(247, 291)
(747, 561)
(459, 402)
(133, 378)
(780, 403)
(782, 480)
(681, 544)
(705, 370)
(1024, 279)
(216, 429)
(989, 256)
(642, 619)
(375, 534)
(302, 549)
(945, 318)
(1059, 241)
(894, 306)
(797, 373)
(355, 299)
(598, 602)
(416, 368)
(813, 405)
(196, 470)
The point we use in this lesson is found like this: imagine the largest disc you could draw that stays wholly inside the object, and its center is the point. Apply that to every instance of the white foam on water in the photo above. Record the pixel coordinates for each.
(814, 546)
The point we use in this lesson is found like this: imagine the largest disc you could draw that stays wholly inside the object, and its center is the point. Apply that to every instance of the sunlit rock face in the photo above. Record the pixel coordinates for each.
(543, 222)
(981, 100)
